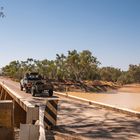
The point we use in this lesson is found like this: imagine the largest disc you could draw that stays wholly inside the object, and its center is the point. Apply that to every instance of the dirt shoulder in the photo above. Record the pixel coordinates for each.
(95, 87)
(133, 88)
(126, 97)
(84, 86)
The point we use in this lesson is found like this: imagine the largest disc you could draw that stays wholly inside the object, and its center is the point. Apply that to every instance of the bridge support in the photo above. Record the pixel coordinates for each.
(19, 115)
(6, 120)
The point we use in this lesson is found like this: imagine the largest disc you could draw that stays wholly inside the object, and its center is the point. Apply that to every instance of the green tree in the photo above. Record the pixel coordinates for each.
(12, 69)
(134, 72)
(61, 67)
(79, 65)
(125, 78)
(110, 74)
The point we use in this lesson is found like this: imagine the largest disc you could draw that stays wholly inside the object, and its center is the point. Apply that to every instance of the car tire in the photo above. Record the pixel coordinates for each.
(33, 92)
(26, 90)
(50, 92)
(21, 87)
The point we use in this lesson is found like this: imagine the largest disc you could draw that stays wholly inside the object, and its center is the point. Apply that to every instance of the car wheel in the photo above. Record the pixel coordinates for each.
(50, 92)
(33, 92)
(26, 90)
(21, 87)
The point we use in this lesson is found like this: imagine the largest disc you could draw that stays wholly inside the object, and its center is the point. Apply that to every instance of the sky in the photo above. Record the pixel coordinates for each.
(40, 29)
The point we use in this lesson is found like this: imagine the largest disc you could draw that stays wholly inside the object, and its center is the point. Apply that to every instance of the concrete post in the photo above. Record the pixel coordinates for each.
(50, 113)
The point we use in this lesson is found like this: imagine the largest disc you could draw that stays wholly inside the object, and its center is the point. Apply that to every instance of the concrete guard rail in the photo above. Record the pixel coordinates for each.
(107, 106)
(27, 116)
(32, 111)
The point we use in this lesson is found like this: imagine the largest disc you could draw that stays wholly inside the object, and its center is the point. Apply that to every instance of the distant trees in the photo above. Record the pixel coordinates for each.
(61, 67)
(130, 76)
(81, 66)
(125, 78)
(12, 69)
(134, 72)
(110, 74)
(75, 66)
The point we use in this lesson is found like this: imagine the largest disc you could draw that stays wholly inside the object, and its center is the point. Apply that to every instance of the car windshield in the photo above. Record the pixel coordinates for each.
(34, 77)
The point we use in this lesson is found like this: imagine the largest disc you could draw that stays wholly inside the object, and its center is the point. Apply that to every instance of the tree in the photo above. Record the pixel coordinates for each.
(110, 74)
(76, 66)
(12, 69)
(62, 72)
(134, 71)
(125, 78)
(80, 65)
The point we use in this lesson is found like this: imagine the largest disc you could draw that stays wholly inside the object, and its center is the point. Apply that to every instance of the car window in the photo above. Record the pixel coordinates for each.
(34, 77)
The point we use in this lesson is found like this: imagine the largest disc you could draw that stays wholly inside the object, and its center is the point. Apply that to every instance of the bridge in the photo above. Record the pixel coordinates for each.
(25, 111)
(76, 119)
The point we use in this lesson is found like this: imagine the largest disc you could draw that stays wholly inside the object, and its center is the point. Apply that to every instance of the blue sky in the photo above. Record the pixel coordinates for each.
(40, 29)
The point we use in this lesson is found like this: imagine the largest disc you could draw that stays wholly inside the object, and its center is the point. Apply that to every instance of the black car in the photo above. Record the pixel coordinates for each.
(34, 83)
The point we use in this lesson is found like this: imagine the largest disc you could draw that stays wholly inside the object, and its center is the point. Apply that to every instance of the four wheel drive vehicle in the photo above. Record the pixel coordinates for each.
(35, 84)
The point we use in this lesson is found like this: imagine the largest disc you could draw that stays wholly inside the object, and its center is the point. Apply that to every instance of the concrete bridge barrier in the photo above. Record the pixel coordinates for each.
(25, 114)
(50, 113)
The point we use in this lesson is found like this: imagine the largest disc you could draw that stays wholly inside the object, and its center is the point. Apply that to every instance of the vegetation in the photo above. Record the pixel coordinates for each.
(75, 66)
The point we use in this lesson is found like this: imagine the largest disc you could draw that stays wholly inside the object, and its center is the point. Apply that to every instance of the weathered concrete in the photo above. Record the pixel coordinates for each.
(29, 132)
(102, 104)
(19, 115)
(31, 111)
(26, 107)
(6, 113)
(6, 120)
(50, 113)
(6, 133)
